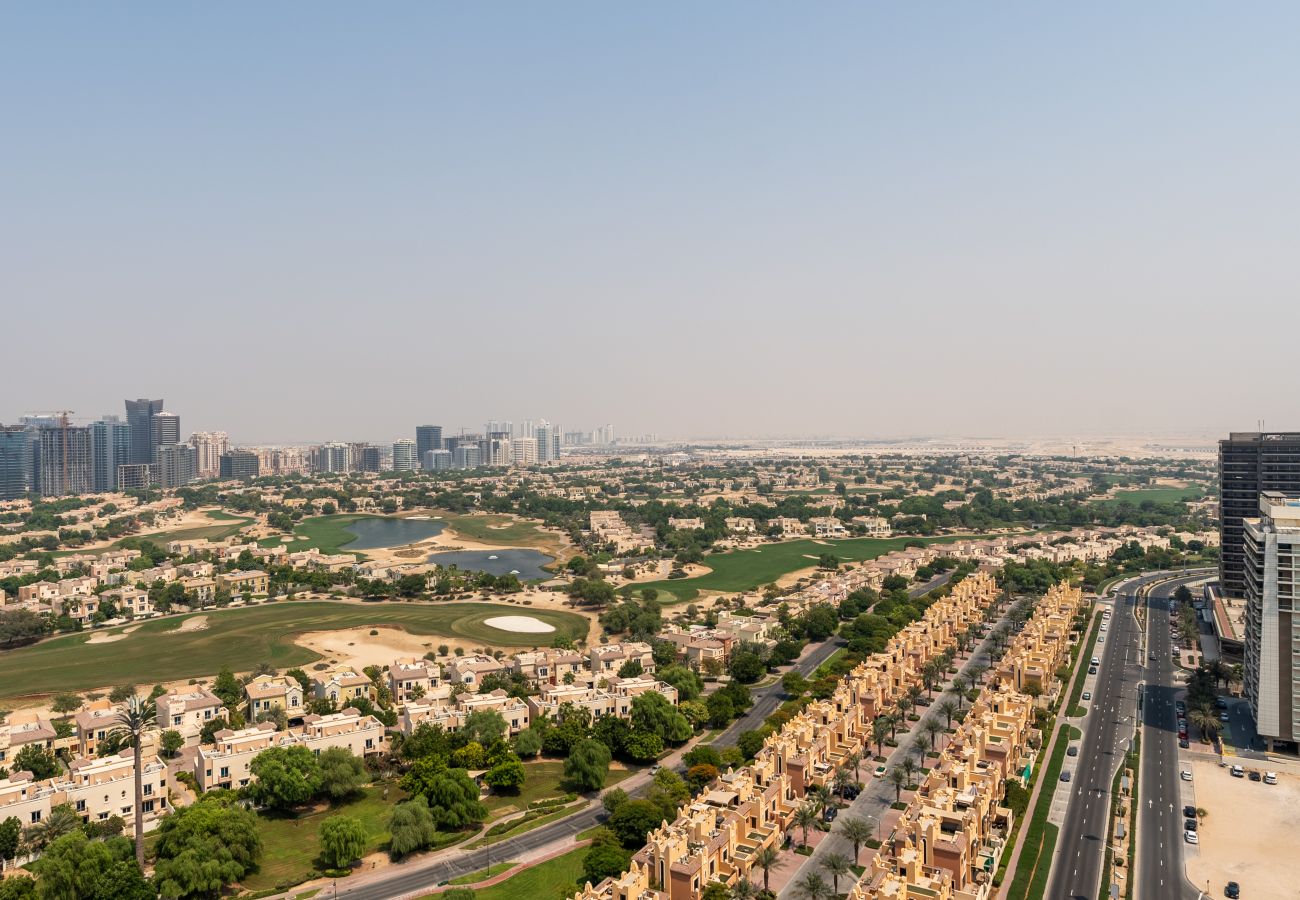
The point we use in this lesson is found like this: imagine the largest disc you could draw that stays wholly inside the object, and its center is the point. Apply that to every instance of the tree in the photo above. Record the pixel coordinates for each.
(813, 887)
(66, 703)
(949, 709)
(653, 712)
(285, 777)
(507, 776)
(794, 684)
(18, 889)
(633, 821)
(452, 795)
(746, 666)
(587, 765)
(604, 860)
(228, 688)
(130, 725)
(486, 726)
(411, 827)
(172, 741)
(898, 778)
(931, 729)
(205, 846)
(528, 743)
(879, 732)
(11, 830)
(856, 831)
(642, 746)
(767, 859)
(342, 773)
(700, 776)
(76, 866)
(744, 889)
(715, 890)
(837, 865)
(36, 759)
(750, 742)
(804, 818)
(689, 685)
(342, 839)
(613, 799)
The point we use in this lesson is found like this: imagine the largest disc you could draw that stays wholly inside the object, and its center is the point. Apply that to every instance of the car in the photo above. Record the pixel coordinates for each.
(1270, 778)
(1180, 706)
(1189, 825)
(1232, 890)
(1237, 772)
(880, 771)
(1185, 774)
(829, 813)
(1072, 750)
(1190, 837)
(1092, 670)
(1221, 703)
(1183, 744)
(1224, 717)
(1103, 627)
(1087, 695)
(1065, 776)
(1151, 655)
(1101, 638)
(655, 768)
(1096, 661)
(1189, 812)
(1254, 775)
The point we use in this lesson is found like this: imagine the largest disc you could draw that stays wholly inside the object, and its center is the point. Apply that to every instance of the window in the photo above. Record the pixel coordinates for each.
(81, 806)
(176, 720)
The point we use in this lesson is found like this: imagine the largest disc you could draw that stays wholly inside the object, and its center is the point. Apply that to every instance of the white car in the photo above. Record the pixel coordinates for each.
(1190, 837)
(1185, 774)
(1101, 638)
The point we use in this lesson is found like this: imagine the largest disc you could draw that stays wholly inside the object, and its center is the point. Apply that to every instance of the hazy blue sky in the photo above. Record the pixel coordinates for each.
(311, 220)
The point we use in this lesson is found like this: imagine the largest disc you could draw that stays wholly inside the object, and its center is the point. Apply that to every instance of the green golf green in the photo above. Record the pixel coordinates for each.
(158, 651)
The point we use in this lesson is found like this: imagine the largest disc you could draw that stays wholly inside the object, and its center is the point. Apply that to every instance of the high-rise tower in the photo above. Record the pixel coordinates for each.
(139, 415)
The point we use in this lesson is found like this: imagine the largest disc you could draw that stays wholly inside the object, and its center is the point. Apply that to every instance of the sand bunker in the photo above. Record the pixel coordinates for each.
(198, 623)
(358, 648)
(519, 624)
(103, 638)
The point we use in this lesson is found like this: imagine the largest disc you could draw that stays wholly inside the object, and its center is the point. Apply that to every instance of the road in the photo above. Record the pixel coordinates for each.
(1160, 870)
(1108, 729)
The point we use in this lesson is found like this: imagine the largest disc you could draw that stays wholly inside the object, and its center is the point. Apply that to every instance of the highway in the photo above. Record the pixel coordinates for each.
(1125, 668)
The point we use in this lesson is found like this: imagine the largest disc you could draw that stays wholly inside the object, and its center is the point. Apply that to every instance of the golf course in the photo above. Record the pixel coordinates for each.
(163, 650)
(745, 570)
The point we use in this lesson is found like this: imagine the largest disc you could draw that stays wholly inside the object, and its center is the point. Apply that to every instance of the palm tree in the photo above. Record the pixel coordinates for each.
(857, 832)
(977, 672)
(894, 718)
(880, 731)
(767, 859)
(820, 796)
(914, 693)
(744, 889)
(132, 722)
(909, 767)
(805, 817)
(843, 781)
(836, 865)
(1205, 721)
(949, 709)
(813, 887)
(63, 819)
(898, 778)
(931, 729)
(854, 761)
(960, 684)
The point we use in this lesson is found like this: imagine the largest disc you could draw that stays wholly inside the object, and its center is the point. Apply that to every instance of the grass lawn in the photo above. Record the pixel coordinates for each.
(554, 879)
(542, 781)
(745, 570)
(242, 638)
(507, 531)
(290, 845)
(1154, 495)
(482, 874)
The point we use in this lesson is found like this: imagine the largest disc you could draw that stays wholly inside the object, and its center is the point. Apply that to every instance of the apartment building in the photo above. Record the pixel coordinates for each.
(439, 708)
(1271, 562)
(93, 723)
(98, 788)
(410, 678)
(549, 666)
(22, 729)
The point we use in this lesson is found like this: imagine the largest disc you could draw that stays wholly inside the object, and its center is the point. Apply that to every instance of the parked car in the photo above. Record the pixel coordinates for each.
(1072, 750)
(1189, 825)
(1092, 670)
(1185, 774)
(1232, 890)
(1183, 744)
(1253, 775)
(1190, 837)
(1270, 778)
(1189, 812)
(1221, 703)
(1096, 661)
(1065, 776)
(1087, 695)
(1224, 717)
(1238, 772)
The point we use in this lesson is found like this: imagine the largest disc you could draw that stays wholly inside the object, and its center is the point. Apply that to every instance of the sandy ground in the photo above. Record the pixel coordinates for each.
(1250, 828)
(105, 638)
(195, 623)
(358, 648)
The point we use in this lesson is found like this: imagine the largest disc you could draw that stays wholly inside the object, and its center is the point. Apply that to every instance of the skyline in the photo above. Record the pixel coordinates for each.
(734, 220)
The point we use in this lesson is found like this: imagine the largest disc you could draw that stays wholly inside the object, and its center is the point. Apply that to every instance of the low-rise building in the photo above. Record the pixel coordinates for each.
(410, 678)
(187, 711)
(267, 693)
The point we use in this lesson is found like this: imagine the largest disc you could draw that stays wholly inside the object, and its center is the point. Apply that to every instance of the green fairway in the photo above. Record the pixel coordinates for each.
(505, 531)
(1154, 495)
(328, 534)
(242, 638)
(230, 525)
(745, 570)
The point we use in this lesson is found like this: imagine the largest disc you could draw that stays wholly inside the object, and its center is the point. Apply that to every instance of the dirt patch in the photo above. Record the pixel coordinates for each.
(196, 623)
(1248, 828)
(358, 648)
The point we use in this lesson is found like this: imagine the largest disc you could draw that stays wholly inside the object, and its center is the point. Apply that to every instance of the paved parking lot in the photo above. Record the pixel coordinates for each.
(1248, 835)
